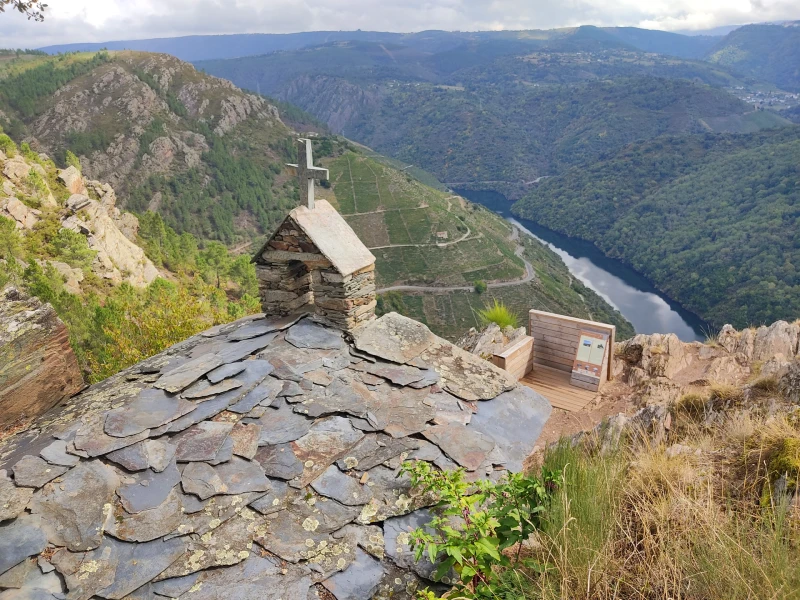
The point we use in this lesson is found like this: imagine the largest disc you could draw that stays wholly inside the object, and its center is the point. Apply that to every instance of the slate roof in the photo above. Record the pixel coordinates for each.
(333, 236)
(255, 460)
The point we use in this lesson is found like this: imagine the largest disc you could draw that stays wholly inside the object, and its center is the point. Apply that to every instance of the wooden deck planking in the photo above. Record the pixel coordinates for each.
(555, 386)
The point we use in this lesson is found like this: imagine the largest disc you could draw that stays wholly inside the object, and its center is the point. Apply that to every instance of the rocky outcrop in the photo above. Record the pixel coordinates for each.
(24, 216)
(72, 180)
(118, 258)
(37, 366)
(16, 169)
(489, 341)
(657, 355)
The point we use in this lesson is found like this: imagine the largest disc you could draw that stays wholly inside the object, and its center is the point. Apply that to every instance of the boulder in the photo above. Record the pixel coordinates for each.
(72, 180)
(724, 369)
(728, 337)
(789, 383)
(24, 216)
(72, 275)
(658, 355)
(489, 341)
(38, 368)
(779, 338)
(16, 169)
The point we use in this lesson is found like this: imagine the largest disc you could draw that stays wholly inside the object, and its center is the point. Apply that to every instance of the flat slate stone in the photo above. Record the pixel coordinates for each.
(27, 578)
(213, 512)
(396, 537)
(465, 375)
(132, 458)
(394, 338)
(147, 489)
(341, 487)
(224, 454)
(276, 500)
(283, 425)
(430, 377)
(159, 454)
(20, 539)
(291, 388)
(228, 544)
(225, 371)
(467, 446)
(326, 441)
(339, 397)
(175, 587)
(449, 409)
(392, 496)
(514, 420)
(92, 440)
(201, 441)
(151, 408)
(400, 412)
(206, 389)
(359, 581)
(245, 437)
(279, 461)
(234, 477)
(376, 449)
(32, 471)
(398, 374)
(256, 578)
(263, 393)
(205, 410)
(307, 334)
(72, 509)
(147, 524)
(116, 568)
(56, 454)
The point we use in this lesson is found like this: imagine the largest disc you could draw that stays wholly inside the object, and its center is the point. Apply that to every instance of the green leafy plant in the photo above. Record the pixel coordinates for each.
(476, 525)
(500, 314)
(72, 160)
(480, 286)
(72, 248)
(7, 145)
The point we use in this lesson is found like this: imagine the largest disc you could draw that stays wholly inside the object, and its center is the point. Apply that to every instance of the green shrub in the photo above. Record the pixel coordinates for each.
(72, 160)
(7, 145)
(500, 314)
(480, 286)
(475, 523)
(72, 248)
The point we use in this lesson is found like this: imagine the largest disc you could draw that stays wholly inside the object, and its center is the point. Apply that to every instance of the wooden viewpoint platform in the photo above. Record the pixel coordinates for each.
(555, 385)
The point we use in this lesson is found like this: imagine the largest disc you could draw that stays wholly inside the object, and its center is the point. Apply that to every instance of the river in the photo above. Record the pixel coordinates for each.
(633, 295)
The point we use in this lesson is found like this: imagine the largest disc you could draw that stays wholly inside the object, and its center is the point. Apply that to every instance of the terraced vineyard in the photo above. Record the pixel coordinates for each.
(440, 244)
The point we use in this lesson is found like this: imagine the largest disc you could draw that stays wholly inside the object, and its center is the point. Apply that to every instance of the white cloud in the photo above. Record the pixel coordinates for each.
(105, 20)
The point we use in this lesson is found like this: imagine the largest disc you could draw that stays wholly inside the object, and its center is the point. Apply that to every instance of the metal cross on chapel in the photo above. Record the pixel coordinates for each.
(306, 171)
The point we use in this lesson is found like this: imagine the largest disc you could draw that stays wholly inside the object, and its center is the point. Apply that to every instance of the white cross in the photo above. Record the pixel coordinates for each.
(306, 171)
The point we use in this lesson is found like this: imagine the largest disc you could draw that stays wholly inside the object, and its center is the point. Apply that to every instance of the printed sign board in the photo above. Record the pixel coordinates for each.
(590, 355)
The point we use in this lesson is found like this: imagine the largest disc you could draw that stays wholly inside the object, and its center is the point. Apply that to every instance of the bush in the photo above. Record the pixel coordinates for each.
(500, 314)
(7, 145)
(72, 248)
(475, 523)
(72, 161)
(691, 405)
(480, 286)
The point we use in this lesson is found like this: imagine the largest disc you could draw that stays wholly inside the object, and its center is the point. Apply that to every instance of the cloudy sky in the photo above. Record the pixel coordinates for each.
(107, 20)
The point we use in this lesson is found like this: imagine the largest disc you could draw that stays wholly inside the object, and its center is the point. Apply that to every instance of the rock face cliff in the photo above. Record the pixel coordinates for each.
(37, 366)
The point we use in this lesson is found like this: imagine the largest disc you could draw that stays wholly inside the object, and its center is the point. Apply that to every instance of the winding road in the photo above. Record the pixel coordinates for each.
(530, 274)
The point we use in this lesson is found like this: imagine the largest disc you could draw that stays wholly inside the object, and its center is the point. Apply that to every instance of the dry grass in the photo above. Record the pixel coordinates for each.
(696, 519)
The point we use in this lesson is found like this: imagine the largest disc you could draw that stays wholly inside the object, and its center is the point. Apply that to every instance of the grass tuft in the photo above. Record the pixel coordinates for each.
(500, 314)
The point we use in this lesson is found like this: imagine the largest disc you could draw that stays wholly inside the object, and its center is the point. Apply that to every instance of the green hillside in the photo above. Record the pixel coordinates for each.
(766, 52)
(712, 220)
(424, 237)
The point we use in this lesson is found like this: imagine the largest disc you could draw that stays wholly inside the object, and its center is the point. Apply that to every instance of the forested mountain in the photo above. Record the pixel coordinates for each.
(711, 219)
(207, 47)
(768, 52)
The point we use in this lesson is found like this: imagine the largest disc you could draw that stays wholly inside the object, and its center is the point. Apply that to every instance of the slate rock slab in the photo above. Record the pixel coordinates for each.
(92, 439)
(394, 338)
(279, 461)
(376, 449)
(204, 388)
(20, 539)
(27, 578)
(262, 394)
(32, 471)
(147, 524)
(147, 489)
(175, 587)
(396, 534)
(276, 500)
(359, 581)
(56, 454)
(400, 412)
(307, 334)
(72, 509)
(159, 454)
(465, 375)
(283, 425)
(339, 397)
(392, 496)
(226, 371)
(256, 578)
(201, 441)
(205, 410)
(326, 441)
(132, 458)
(398, 374)
(341, 487)
(467, 446)
(151, 408)
(228, 544)
(213, 512)
(234, 477)
(245, 437)
(514, 420)
(225, 452)
(116, 568)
